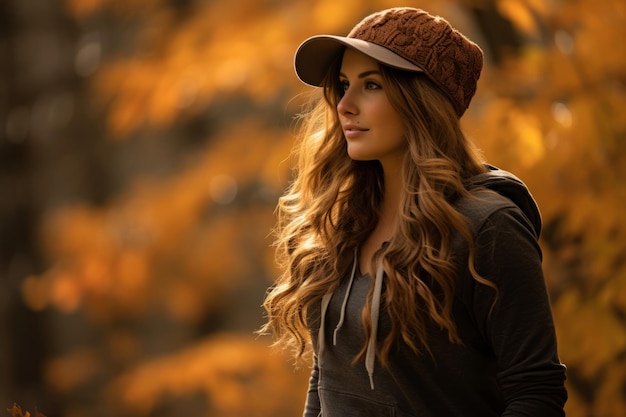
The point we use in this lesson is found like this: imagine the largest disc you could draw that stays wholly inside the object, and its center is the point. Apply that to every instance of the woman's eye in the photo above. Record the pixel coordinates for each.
(368, 85)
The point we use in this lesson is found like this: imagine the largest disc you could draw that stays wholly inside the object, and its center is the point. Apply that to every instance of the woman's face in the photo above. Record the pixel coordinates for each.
(372, 127)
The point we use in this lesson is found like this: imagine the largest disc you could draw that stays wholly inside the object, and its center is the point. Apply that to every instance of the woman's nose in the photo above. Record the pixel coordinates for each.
(346, 104)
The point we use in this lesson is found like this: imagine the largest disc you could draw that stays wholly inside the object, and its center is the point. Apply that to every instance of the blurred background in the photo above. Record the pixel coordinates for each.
(144, 144)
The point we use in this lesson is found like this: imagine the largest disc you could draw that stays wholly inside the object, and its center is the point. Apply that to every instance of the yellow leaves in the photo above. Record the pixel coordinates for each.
(187, 68)
(78, 227)
(562, 114)
(16, 411)
(591, 339)
(82, 8)
(510, 134)
(520, 14)
(611, 400)
(231, 73)
(66, 373)
(83, 245)
(526, 132)
(65, 293)
(590, 327)
(88, 280)
(138, 92)
(223, 188)
(598, 36)
(184, 303)
(155, 242)
(35, 293)
(613, 294)
(239, 375)
(334, 17)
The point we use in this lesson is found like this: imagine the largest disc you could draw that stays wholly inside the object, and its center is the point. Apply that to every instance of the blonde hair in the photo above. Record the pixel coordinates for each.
(331, 207)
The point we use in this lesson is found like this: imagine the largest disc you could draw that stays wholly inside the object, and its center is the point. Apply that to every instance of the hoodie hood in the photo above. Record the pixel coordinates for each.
(511, 187)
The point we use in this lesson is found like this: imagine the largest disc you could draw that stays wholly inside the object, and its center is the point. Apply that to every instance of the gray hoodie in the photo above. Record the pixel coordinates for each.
(507, 364)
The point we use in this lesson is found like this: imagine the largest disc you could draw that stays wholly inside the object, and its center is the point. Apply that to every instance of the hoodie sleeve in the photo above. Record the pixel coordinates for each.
(520, 327)
(312, 406)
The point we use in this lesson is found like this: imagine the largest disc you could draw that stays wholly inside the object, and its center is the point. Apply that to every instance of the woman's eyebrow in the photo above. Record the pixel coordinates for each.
(363, 74)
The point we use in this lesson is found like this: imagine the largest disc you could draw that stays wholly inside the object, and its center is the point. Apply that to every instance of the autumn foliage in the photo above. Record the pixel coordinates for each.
(16, 411)
(152, 289)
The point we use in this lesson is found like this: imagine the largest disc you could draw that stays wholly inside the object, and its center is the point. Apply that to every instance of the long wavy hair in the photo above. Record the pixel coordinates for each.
(331, 206)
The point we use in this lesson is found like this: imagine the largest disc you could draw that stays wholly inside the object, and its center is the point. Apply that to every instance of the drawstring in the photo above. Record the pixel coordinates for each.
(370, 355)
(325, 301)
(342, 315)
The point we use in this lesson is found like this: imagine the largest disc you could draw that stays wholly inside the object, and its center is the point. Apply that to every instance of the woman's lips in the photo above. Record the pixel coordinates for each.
(353, 131)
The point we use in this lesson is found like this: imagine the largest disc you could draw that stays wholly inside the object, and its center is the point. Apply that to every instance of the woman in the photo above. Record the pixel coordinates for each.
(411, 268)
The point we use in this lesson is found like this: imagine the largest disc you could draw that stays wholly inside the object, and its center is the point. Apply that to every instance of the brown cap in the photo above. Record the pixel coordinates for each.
(404, 38)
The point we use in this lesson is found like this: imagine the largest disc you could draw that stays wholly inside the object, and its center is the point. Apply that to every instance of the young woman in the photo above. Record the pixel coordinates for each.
(411, 268)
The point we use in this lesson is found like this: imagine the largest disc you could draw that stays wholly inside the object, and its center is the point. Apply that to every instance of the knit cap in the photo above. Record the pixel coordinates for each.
(405, 38)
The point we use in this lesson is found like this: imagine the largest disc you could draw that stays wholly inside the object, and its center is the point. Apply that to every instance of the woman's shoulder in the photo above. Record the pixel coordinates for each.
(486, 209)
(482, 203)
(499, 193)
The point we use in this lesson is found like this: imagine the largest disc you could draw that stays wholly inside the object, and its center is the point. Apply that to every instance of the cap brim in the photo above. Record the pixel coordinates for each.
(315, 55)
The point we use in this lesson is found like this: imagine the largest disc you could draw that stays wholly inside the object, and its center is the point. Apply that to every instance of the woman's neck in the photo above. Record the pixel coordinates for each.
(392, 193)
(387, 220)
